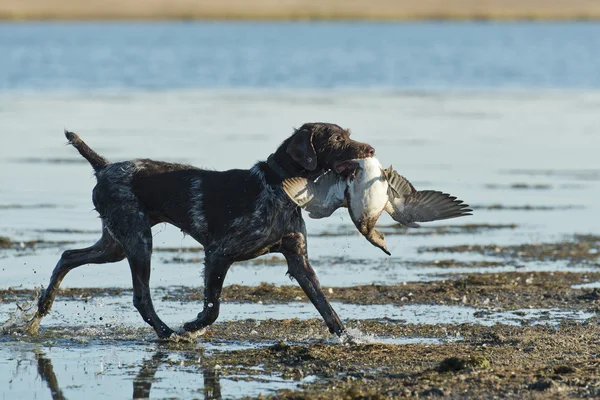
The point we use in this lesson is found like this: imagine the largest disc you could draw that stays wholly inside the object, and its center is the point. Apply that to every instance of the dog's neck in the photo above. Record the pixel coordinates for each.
(284, 166)
(277, 168)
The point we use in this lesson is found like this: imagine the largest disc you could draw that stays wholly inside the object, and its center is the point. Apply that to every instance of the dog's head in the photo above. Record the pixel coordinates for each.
(322, 146)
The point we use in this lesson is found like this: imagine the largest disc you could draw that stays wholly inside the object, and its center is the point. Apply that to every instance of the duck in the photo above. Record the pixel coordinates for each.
(367, 190)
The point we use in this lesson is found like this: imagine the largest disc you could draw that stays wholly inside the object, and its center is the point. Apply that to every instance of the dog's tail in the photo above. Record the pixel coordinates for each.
(96, 160)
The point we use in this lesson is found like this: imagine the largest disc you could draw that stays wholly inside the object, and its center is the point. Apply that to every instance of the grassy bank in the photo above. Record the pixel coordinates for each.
(384, 10)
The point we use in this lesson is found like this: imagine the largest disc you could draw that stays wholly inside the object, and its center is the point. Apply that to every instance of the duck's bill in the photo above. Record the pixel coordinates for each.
(346, 168)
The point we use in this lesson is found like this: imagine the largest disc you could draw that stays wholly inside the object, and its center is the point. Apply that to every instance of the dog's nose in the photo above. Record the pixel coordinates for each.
(369, 152)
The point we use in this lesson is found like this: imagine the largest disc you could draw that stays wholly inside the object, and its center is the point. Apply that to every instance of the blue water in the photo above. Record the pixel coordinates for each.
(305, 55)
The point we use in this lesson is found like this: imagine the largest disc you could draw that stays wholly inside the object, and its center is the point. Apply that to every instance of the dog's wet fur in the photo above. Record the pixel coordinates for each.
(236, 215)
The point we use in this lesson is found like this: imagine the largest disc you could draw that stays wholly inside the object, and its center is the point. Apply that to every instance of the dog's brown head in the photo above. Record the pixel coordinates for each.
(321, 146)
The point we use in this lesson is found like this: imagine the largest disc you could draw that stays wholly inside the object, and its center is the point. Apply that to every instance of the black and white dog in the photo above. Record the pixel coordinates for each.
(236, 215)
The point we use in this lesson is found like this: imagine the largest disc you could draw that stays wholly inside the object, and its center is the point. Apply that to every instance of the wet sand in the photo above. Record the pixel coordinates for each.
(298, 359)
(302, 10)
(469, 361)
(521, 362)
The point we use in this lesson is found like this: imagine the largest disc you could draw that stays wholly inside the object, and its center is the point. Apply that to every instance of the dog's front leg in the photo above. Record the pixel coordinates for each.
(215, 269)
(293, 247)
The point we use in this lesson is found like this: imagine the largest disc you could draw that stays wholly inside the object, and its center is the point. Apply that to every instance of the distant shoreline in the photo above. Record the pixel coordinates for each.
(300, 10)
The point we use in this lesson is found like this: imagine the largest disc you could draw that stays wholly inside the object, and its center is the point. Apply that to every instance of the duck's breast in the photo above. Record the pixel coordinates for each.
(368, 191)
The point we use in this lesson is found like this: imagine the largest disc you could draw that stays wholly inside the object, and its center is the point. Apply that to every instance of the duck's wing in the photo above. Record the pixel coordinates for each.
(398, 186)
(409, 206)
(320, 197)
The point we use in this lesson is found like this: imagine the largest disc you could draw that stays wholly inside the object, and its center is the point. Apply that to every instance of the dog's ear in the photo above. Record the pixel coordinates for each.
(302, 150)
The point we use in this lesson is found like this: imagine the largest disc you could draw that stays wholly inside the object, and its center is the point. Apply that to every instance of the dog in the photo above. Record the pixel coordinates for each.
(236, 215)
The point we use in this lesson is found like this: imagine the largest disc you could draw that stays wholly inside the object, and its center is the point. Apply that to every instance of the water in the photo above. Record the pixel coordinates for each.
(163, 56)
(471, 109)
(116, 311)
(74, 371)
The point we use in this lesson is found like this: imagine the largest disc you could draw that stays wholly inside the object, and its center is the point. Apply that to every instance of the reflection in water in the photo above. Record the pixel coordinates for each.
(142, 384)
(212, 386)
(46, 371)
(144, 379)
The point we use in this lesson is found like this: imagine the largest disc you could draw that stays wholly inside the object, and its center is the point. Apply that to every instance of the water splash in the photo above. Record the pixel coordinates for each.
(353, 336)
(186, 337)
(22, 320)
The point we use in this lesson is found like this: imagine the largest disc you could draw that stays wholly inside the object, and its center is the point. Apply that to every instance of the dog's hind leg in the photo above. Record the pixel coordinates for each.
(134, 233)
(293, 248)
(215, 269)
(106, 250)
(140, 275)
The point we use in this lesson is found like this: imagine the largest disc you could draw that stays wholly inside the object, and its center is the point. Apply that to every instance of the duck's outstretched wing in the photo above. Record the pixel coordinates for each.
(409, 206)
(321, 197)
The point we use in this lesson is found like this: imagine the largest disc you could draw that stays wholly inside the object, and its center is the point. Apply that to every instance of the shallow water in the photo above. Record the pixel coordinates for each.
(123, 370)
(116, 311)
(510, 145)
(517, 130)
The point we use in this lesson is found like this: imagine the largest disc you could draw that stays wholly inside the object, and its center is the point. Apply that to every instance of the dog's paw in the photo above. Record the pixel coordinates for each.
(33, 325)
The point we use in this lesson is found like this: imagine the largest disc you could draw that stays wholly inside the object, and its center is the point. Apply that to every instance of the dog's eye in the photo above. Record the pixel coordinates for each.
(337, 138)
